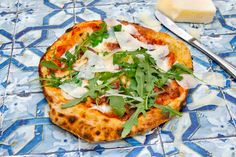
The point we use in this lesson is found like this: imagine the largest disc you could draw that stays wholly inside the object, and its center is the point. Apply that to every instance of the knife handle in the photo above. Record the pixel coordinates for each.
(228, 67)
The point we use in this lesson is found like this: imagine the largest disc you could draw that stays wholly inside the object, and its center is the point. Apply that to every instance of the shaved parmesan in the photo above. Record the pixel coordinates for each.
(188, 81)
(94, 64)
(67, 96)
(130, 29)
(159, 55)
(125, 28)
(102, 108)
(102, 47)
(111, 22)
(74, 90)
(208, 78)
(127, 42)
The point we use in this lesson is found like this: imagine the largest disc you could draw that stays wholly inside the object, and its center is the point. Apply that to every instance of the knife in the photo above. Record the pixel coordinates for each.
(170, 25)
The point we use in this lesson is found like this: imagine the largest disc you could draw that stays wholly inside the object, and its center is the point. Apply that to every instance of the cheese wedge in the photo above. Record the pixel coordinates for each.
(194, 11)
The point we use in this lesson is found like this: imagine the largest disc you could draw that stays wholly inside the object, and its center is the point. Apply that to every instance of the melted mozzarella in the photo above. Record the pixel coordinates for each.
(102, 108)
(74, 90)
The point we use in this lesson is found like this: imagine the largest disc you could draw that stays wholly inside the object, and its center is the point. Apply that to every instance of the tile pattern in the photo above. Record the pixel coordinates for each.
(207, 127)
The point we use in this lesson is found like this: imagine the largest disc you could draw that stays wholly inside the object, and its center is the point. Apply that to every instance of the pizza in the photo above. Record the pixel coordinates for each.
(107, 80)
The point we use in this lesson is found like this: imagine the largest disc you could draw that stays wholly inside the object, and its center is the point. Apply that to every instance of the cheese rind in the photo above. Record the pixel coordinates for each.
(194, 11)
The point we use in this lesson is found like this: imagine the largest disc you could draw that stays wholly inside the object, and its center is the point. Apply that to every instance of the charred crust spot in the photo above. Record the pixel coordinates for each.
(107, 132)
(88, 137)
(119, 131)
(64, 124)
(56, 119)
(97, 132)
(81, 123)
(61, 115)
(53, 111)
(106, 120)
(80, 34)
(72, 119)
(141, 130)
(48, 48)
(69, 29)
(49, 99)
(83, 115)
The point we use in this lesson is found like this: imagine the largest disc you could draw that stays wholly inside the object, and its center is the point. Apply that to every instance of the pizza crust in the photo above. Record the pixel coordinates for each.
(92, 125)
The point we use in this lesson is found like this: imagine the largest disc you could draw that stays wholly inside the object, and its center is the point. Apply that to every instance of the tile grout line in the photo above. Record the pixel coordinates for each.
(92, 150)
(227, 107)
(222, 92)
(162, 144)
(74, 14)
(8, 70)
(212, 138)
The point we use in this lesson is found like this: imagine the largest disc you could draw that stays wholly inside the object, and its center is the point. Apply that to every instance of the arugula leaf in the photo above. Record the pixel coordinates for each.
(168, 109)
(73, 102)
(139, 76)
(133, 120)
(104, 76)
(117, 28)
(117, 103)
(176, 71)
(50, 65)
(180, 68)
(97, 37)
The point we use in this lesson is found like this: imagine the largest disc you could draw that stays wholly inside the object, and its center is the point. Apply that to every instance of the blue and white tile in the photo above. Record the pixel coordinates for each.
(23, 120)
(7, 26)
(38, 28)
(145, 2)
(199, 120)
(8, 5)
(23, 73)
(4, 67)
(140, 140)
(145, 151)
(226, 43)
(121, 12)
(56, 140)
(226, 8)
(202, 148)
(230, 99)
(143, 14)
(222, 24)
(14, 142)
(24, 106)
(60, 152)
(41, 4)
(88, 3)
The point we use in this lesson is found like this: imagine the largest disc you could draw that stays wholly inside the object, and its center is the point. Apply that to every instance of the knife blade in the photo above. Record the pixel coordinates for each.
(171, 26)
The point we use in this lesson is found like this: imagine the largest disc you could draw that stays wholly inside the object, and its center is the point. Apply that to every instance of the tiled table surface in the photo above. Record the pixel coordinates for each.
(27, 27)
